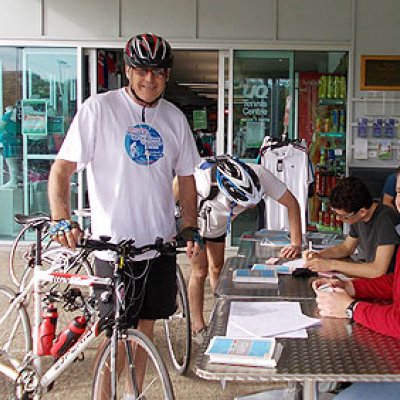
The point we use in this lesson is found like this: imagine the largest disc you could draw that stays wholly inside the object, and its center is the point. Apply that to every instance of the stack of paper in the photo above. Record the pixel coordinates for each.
(268, 319)
(242, 351)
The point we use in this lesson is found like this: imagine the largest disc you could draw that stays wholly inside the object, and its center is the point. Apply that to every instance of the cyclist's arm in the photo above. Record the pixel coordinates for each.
(188, 203)
(290, 202)
(188, 200)
(59, 192)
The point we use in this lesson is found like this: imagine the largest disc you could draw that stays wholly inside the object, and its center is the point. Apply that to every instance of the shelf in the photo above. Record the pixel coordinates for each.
(323, 228)
(332, 134)
(41, 156)
(332, 102)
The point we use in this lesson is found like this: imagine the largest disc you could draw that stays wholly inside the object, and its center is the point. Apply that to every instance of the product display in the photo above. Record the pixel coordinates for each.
(327, 149)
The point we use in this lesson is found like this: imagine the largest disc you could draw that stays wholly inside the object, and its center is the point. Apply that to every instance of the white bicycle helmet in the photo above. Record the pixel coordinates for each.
(237, 181)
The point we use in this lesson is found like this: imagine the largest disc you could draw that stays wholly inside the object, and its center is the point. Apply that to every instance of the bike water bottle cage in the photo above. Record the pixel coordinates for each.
(62, 226)
(191, 234)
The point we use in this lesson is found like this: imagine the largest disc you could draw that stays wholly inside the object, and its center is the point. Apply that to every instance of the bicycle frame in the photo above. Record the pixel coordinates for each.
(41, 276)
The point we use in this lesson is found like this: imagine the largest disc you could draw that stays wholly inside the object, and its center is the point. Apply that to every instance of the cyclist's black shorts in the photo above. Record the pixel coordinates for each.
(219, 239)
(151, 298)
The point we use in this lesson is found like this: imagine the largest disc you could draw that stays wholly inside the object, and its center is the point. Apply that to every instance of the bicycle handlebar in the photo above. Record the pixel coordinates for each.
(127, 247)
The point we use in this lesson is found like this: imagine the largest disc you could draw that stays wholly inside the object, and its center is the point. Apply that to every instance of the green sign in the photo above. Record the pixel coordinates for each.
(34, 117)
(199, 119)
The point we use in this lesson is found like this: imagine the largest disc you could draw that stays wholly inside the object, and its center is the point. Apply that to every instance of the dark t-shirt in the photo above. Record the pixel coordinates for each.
(378, 231)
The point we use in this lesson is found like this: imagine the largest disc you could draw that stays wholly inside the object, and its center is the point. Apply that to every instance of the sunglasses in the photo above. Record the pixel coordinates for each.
(156, 72)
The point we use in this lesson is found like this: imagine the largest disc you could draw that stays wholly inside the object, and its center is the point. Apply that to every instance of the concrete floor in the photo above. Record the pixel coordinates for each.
(75, 383)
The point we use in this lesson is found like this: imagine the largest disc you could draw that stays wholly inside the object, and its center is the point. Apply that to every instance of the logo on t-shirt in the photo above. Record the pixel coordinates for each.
(143, 144)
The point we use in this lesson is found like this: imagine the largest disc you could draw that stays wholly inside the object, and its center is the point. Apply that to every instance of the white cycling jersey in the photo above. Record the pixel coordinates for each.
(214, 213)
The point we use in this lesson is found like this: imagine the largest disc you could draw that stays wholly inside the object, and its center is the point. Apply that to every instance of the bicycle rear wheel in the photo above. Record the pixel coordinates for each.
(177, 328)
(15, 341)
(156, 383)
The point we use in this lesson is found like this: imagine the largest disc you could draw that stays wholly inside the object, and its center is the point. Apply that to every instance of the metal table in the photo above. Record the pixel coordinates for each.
(288, 286)
(335, 351)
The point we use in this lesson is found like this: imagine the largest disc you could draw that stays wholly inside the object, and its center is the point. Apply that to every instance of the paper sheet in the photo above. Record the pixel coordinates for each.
(268, 319)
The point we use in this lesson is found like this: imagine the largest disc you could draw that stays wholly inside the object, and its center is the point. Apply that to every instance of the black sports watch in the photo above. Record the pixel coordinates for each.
(350, 310)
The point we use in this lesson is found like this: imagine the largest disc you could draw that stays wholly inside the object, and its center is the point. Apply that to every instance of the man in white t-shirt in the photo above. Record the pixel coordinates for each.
(225, 188)
(132, 142)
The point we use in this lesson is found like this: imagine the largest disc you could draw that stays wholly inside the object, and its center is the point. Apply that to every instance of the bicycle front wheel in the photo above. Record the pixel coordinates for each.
(15, 340)
(155, 384)
(177, 328)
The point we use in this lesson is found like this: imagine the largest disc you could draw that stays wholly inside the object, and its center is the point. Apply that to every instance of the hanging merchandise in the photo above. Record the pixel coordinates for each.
(290, 163)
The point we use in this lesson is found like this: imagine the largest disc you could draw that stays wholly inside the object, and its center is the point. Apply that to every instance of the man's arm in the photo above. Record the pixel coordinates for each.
(59, 192)
(322, 262)
(188, 204)
(290, 202)
(188, 200)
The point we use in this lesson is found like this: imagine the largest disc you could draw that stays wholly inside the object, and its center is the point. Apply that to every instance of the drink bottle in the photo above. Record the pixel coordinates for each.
(47, 330)
(329, 87)
(322, 87)
(67, 338)
(343, 87)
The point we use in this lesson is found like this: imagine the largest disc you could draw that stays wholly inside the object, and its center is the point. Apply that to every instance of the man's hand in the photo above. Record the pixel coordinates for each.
(194, 242)
(333, 304)
(334, 283)
(317, 264)
(290, 251)
(66, 232)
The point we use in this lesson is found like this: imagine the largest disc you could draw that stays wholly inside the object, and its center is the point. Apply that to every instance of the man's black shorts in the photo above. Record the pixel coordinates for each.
(150, 287)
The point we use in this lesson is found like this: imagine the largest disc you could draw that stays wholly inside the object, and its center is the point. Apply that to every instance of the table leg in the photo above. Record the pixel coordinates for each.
(310, 390)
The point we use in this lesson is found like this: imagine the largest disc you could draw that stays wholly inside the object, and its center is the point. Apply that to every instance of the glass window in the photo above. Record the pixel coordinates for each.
(38, 102)
(262, 106)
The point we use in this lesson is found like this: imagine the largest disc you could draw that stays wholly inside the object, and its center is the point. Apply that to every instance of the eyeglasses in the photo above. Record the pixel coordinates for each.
(344, 217)
(156, 72)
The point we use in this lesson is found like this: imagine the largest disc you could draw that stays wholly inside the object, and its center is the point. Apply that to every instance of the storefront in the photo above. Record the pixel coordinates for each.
(232, 98)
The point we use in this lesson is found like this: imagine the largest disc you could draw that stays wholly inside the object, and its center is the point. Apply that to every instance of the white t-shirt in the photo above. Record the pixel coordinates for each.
(214, 214)
(290, 165)
(130, 164)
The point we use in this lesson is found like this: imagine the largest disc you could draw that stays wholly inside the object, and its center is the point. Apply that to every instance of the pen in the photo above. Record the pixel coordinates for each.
(310, 245)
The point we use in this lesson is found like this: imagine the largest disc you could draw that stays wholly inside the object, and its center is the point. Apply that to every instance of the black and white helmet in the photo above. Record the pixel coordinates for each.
(148, 51)
(237, 181)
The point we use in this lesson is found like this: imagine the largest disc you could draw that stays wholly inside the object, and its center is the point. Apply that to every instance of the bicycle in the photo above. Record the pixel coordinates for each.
(19, 360)
(177, 328)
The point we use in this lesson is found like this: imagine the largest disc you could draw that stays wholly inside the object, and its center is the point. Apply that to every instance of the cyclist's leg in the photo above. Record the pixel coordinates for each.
(215, 256)
(198, 275)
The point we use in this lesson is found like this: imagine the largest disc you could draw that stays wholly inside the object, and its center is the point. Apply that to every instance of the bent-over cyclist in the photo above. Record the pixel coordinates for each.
(226, 187)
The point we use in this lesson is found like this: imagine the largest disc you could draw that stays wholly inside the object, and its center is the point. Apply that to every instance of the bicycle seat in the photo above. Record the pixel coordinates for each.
(37, 218)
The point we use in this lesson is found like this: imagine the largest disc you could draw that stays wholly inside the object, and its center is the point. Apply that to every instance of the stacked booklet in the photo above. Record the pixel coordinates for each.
(255, 352)
(266, 275)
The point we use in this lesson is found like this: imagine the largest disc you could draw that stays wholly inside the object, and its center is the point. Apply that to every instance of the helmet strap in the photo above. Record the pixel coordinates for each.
(229, 219)
(143, 102)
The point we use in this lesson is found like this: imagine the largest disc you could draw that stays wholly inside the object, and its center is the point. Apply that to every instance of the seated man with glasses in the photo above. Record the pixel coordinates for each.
(372, 233)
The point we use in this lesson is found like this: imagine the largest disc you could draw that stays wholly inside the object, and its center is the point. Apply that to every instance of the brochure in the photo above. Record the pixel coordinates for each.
(267, 275)
(257, 352)
(287, 267)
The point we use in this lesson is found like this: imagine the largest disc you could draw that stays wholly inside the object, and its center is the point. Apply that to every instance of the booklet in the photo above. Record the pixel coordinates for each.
(267, 275)
(255, 352)
(286, 268)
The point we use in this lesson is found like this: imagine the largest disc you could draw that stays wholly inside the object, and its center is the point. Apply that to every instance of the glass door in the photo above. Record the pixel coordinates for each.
(262, 106)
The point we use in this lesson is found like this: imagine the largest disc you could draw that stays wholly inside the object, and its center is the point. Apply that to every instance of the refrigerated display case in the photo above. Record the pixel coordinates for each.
(322, 124)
